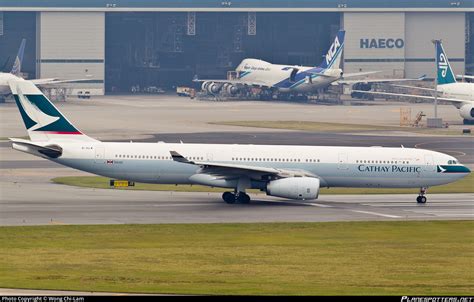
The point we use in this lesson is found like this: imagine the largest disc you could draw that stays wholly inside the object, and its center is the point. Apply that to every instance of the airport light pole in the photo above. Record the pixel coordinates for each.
(436, 80)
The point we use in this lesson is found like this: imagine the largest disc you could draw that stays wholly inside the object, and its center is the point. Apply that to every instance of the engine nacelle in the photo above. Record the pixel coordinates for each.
(205, 85)
(467, 112)
(214, 88)
(231, 89)
(300, 188)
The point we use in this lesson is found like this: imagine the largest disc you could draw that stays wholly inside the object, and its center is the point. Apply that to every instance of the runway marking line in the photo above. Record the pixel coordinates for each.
(183, 204)
(376, 214)
(318, 205)
(414, 205)
(454, 215)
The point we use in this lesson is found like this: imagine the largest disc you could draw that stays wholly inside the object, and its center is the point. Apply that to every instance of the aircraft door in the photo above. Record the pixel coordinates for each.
(209, 156)
(293, 73)
(99, 155)
(429, 163)
(342, 161)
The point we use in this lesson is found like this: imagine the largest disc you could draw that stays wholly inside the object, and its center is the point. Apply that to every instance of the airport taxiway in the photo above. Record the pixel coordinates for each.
(27, 196)
(47, 203)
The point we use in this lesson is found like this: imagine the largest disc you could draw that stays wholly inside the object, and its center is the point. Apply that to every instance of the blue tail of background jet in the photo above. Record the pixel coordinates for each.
(19, 59)
(444, 72)
(332, 59)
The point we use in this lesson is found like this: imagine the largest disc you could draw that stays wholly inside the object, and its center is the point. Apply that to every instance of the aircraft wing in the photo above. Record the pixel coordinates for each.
(414, 87)
(235, 170)
(44, 81)
(465, 76)
(358, 74)
(414, 96)
(237, 82)
(54, 81)
(320, 74)
(366, 81)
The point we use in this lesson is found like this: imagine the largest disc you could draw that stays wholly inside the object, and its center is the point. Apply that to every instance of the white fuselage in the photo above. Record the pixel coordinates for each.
(334, 166)
(462, 91)
(305, 80)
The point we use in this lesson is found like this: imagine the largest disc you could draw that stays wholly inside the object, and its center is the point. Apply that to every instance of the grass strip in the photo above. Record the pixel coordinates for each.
(336, 258)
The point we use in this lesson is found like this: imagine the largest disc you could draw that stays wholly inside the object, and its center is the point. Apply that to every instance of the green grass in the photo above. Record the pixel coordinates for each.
(343, 258)
(103, 183)
(465, 185)
(335, 127)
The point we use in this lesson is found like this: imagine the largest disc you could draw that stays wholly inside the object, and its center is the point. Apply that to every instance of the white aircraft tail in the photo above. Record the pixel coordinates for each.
(16, 69)
(43, 121)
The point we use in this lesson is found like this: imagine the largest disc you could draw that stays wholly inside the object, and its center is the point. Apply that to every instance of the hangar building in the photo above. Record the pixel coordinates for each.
(119, 44)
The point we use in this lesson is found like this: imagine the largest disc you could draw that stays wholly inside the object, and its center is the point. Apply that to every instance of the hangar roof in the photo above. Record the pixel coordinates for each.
(237, 5)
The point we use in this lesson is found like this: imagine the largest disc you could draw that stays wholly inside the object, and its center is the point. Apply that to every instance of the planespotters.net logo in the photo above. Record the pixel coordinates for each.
(437, 299)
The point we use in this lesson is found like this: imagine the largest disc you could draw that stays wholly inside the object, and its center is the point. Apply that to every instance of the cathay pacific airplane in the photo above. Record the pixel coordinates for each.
(15, 74)
(292, 172)
(460, 95)
(291, 79)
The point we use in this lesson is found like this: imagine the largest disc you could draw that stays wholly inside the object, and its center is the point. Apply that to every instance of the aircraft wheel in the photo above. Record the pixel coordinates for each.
(243, 198)
(228, 197)
(421, 199)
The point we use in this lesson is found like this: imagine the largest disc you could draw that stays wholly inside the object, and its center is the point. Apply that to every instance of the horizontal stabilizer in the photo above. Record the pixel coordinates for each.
(50, 151)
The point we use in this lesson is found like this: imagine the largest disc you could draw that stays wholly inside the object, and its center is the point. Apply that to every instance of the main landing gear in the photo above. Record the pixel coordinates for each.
(421, 199)
(240, 197)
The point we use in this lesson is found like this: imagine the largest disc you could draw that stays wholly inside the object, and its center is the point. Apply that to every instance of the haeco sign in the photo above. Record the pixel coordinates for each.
(382, 43)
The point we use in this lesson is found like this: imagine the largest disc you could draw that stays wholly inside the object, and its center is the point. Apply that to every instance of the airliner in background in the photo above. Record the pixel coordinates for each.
(15, 74)
(460, 94)
(291, 79)
(291, 172)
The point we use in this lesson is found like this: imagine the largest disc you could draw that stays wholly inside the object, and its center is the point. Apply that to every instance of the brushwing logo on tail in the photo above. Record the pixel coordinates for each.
(332, 51)
(34, 113)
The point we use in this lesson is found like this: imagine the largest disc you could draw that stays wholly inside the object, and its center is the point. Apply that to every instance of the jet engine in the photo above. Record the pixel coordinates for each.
(205, 85)
(213, 88)
(467, 112)
(300, 188)
(230, 89)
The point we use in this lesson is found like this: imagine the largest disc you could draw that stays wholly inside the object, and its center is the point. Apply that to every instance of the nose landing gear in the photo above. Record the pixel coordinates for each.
(421, 199)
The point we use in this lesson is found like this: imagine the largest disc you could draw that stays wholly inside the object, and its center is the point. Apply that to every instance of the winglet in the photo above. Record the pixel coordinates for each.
(179, 158)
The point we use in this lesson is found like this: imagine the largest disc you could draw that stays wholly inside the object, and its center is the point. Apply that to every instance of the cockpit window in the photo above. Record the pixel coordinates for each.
(452, 162)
